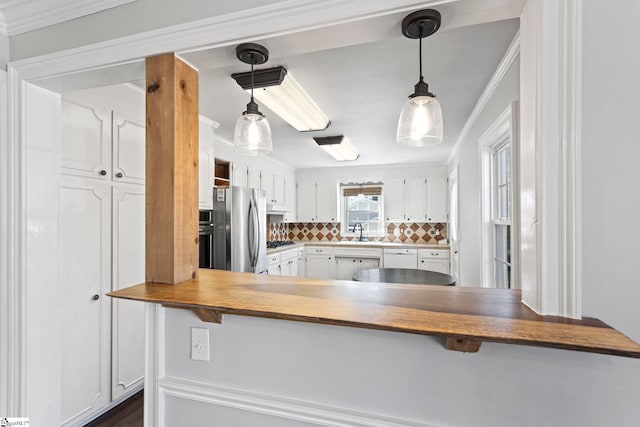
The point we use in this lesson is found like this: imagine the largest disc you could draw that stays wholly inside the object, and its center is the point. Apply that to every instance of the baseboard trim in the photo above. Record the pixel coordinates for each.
(276, 406)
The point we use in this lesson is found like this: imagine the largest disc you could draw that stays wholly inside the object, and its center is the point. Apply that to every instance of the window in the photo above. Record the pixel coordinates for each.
(362, 208)
(501, 214)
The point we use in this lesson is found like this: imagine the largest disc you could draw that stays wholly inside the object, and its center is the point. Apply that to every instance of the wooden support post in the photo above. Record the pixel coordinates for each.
(171, 170)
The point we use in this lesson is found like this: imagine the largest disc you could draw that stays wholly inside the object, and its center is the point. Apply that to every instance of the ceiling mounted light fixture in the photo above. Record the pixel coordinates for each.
(420, 121)
(282, 94)
(252, 134)
(338, 147)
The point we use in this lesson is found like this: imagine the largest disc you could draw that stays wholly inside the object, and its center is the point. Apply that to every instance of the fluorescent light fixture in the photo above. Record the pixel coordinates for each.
(338, 147)
(282, 94)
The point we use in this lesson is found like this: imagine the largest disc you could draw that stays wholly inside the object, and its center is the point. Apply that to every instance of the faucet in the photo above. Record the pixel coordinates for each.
(354, 230)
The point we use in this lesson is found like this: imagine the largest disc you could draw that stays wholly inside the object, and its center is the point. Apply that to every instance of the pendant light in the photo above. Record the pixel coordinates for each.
(252, 134)
(420, 121)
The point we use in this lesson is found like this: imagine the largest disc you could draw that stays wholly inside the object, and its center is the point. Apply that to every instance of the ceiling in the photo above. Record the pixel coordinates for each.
(360, 75)
(20, 16)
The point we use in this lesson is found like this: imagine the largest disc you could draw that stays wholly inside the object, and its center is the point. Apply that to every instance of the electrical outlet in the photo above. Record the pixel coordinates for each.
(200, 344)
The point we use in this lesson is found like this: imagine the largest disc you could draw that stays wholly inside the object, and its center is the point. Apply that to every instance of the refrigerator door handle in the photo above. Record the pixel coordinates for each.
(257, 231)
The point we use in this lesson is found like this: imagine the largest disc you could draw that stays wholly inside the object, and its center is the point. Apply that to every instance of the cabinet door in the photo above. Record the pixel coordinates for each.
(436, 199)
(345, 268)
(279, 190)
(294, 269)
(320, 267)
(290, 200)
(274, 270)
(253, 178)
(439, 265)
(414, 199)
(306, 201)
(206, 169)
(364, 263)
(266, 184)
(239, 174)
(85, 256)
(86, 141)
(394, 200)
(301, 263)
(128, 150)
(127, 348)
(326, 201)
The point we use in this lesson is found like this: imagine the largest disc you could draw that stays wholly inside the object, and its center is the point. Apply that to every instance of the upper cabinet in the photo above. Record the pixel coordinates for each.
(416, 199)
(317, 201)
(206, 167)
(128, 137)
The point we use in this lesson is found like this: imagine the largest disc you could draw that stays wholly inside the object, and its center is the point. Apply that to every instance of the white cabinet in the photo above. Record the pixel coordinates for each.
(351, 260)
(102, 217)
(436, 199)
(289, 263)
(127, 350)
(416, 199)
(86, 141)
(239, 174)
(434, 260)
(253, 177)
(290, 215)
(85, 260)
(128, 138)
(273, 265)
(317, 201)
(206, 168)
(400, 258)
(394, 200)
(279, 191)
(266, 184)
(320, 263)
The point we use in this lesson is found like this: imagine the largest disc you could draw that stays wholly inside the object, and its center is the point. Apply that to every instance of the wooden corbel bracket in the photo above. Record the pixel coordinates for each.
(209, 315)
(465, 345)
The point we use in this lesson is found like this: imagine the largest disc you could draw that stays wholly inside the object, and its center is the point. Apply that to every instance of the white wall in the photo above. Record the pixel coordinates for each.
(42, 136)
(131, 18)
(467, 158)
(4, 52)
(610, 171)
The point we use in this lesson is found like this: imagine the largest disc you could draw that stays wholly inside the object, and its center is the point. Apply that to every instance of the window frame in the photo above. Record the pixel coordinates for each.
(345, 231)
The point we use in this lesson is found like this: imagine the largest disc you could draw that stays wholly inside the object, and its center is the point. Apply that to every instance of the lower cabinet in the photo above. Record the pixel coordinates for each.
(351, 260)
(286, 263)
(320, 263)
(101, 248)
(433, 260)
(273, 265)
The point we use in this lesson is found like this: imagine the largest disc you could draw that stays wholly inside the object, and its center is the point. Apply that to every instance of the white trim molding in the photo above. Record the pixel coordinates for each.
(503, 67)
(275, 406)
(550, 85)
(29, 15)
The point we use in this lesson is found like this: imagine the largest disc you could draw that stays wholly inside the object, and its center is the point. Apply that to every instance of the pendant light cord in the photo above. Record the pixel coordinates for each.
(420, 47)
(252, 61)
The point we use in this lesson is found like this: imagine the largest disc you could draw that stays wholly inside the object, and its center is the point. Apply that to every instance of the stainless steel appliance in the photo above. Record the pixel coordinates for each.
(205, 229)
(240, 235)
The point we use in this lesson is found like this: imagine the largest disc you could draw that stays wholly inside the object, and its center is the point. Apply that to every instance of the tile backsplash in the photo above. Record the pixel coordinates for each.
(419, 232)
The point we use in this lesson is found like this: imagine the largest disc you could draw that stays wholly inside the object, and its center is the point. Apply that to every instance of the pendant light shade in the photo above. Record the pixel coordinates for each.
(252, 133)
(420, 121)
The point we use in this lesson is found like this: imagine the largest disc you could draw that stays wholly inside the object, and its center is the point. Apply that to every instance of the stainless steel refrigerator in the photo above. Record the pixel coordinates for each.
(240, 235)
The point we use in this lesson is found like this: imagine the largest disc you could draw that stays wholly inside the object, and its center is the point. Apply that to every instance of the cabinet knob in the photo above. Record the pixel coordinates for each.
(360, 260)
(119, 175)
(422, 261)
(429, 219)
(96, 297)
(354, 260)
(408, 219)
(329, 257)
(103, 172)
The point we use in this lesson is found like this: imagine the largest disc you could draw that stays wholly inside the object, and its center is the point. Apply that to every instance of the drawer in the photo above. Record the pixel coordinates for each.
(286, 255)
(358, 253)
(319, 250)
(433, 253)
(273, 259)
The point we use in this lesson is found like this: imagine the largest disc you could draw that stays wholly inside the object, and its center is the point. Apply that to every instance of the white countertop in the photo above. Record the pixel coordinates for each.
(358, 244)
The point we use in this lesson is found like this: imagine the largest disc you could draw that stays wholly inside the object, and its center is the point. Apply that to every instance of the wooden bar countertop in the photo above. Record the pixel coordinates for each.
(464, 316)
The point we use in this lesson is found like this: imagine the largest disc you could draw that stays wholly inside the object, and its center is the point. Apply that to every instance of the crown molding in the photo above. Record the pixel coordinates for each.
(25, 16)
(505, 63)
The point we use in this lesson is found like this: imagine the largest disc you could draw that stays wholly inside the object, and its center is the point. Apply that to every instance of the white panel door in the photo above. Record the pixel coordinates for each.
(127, 352)
(128, 150)
(85, 255)
(266, 184)
(414, 199)
(439, 265)
(253, 177)
(279, 190)
(206, 181)
(306, 201)
(326, 210)
(345, 268)
(290, 200)
(86, 141)
(394, 200)
(436, 199)
(320, 267)
(364, 263)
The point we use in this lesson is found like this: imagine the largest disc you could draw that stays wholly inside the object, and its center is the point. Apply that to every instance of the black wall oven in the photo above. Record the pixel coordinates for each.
(205, 229)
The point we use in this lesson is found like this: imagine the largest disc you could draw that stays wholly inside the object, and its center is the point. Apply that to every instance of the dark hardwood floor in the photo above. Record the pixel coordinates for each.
(127, 414)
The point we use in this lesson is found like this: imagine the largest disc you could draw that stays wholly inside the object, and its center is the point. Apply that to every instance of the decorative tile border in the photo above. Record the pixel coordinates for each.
(327, 232)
